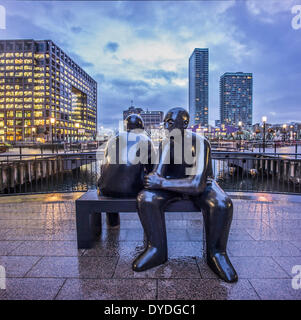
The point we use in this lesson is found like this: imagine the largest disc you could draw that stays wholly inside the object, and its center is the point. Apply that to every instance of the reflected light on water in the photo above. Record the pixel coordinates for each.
(265, 197)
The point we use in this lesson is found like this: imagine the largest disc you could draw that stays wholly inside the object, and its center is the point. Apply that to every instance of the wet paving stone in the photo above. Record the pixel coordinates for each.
(31, 289)
(257, 268)
(287, 263)
(47, 248)
(205, 289)
(74, 267)
(17, 266)
(108, 289)
(275, 289)
(6, 247)
(262, 249)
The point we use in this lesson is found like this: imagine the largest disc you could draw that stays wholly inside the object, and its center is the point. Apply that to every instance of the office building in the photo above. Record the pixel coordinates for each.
(198, 87)
(236, 102)
(151, 119)
(44, 94)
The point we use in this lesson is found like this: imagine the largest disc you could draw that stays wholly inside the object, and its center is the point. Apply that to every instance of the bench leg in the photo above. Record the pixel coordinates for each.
(85, 225)
(113, 219)
(97, 223)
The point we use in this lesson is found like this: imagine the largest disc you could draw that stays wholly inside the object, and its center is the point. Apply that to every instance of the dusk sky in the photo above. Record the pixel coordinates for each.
(139, 50)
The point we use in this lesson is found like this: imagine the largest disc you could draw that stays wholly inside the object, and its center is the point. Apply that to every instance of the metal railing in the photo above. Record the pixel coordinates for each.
(62, 172)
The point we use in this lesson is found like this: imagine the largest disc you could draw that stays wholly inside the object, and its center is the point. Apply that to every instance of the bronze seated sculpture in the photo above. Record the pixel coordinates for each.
(121, 174)
(173, 179)
(183, 171)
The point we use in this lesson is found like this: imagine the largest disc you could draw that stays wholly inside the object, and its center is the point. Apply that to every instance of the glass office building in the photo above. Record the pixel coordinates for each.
(236, 98)
(44, 94)
(198, 87)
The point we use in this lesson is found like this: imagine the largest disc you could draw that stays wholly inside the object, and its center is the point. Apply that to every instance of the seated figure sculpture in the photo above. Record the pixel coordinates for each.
(174, 179)
(125, 165)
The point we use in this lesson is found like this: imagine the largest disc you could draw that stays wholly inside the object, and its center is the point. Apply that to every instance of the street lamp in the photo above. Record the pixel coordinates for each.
(52, 121)
(292, 132)
(284, 129)
(264, 120)
(239, 132)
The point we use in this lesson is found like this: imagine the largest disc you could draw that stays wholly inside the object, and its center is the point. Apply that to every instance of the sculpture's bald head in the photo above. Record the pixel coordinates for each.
(134, 121)
(176, 118)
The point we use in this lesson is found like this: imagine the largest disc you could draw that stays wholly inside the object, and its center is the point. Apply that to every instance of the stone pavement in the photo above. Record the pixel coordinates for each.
(39, 252)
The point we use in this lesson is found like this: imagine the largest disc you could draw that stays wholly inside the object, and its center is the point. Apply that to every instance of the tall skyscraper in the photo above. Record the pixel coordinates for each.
(198, 87)
(43, 92)
(236, 98)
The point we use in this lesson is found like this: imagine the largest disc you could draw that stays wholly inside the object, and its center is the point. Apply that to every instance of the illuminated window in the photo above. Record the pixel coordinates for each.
(9, 114)
(38, 114)
(39, 122)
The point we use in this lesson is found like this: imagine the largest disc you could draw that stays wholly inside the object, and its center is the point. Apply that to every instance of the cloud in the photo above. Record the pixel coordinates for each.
(160, 74)
(76, 29)
(139, 49)
(131, 88)
(80, 61)
(111, 47)
(269, 10)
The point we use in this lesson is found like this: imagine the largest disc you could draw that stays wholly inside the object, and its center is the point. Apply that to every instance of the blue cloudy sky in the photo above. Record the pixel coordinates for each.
(139, 50)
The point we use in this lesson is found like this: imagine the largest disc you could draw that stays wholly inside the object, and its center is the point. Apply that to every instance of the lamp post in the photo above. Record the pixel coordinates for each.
(292, 132)
(52, 121)
(239, 132)
(284, 129)
(264, 120)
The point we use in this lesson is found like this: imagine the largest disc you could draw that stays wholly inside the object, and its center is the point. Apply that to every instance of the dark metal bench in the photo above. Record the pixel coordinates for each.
(90, 206)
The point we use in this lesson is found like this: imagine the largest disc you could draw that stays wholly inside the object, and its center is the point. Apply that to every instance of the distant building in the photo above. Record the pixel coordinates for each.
(236, 98)
(217, 123)
(151, 119)
(198, 87)
(131, 110)
(223, 131)
(43, 91)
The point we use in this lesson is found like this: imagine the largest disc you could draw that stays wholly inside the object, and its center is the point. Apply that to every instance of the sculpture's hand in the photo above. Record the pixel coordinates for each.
(152, 181)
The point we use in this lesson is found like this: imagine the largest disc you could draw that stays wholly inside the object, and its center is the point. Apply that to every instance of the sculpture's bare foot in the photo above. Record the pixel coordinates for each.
(150, 258)
(221, 265)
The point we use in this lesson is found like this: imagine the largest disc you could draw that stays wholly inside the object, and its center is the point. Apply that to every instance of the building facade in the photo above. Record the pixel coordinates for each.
(198, 87)
(151, 119)
(44, 94)
(236, 98)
